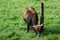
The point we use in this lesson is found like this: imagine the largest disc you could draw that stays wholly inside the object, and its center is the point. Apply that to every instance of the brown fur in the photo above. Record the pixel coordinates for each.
(30, 10)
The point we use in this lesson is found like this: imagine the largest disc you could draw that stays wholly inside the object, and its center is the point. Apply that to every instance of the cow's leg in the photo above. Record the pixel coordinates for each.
(29, 21)
(28, 27)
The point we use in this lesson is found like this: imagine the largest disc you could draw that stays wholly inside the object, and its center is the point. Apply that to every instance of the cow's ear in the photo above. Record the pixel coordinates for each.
(33, 26)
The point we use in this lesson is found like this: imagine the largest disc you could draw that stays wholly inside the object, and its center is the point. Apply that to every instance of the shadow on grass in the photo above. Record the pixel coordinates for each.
(46, 32)
(50, 31)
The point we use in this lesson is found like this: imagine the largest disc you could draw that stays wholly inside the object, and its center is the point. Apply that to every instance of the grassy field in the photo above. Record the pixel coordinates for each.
(13, 27)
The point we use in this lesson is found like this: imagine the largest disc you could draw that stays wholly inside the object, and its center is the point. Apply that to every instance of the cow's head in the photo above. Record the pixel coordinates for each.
(37, 29)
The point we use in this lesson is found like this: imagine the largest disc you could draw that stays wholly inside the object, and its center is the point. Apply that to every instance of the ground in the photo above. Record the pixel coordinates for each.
(13, 27)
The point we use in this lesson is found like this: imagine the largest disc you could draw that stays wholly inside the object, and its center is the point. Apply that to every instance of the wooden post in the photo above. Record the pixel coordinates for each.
(42, 16)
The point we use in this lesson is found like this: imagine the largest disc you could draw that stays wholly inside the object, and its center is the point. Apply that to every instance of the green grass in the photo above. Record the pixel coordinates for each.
(13, 27)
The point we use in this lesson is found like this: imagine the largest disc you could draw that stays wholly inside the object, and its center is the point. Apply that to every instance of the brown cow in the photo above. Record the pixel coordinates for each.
(31, 18)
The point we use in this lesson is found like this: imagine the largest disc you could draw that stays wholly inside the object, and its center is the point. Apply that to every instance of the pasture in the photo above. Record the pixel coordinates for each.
(13, 27)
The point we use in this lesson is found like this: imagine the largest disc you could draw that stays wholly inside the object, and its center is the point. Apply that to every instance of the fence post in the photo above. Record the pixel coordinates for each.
(42, 16)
